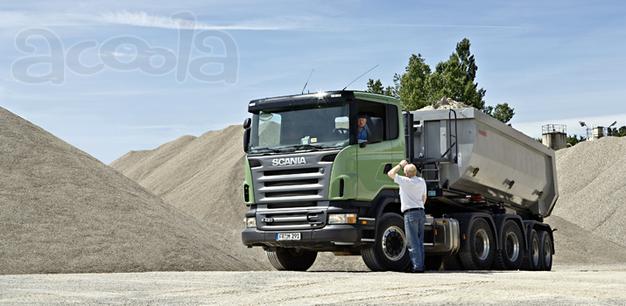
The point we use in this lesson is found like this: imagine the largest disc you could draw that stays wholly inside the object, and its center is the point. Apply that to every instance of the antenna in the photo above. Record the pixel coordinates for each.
(307, 81)
(360, 76)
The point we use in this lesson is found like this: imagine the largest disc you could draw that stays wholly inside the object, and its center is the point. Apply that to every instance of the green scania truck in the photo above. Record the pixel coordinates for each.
(312, 186)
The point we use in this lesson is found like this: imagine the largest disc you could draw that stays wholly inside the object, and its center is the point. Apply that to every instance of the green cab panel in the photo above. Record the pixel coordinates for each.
(247, 183)
(344, 168)
(373, 160)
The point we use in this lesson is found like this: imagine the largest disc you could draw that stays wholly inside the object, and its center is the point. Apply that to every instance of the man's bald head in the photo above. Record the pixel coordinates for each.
(410, 170)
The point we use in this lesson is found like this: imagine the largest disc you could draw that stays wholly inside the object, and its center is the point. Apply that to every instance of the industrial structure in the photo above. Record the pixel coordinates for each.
(554, 136)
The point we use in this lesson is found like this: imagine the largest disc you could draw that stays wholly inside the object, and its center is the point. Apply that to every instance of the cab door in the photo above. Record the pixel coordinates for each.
(376, 157)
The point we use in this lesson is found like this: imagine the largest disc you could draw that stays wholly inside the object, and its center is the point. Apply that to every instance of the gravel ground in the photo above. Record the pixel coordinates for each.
(564, 285)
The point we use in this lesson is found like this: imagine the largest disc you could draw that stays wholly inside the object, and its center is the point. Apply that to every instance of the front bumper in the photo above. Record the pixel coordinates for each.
(328, 238)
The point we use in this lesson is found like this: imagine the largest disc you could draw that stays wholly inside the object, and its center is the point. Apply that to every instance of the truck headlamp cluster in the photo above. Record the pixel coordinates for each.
(250, 222)
(342, 219)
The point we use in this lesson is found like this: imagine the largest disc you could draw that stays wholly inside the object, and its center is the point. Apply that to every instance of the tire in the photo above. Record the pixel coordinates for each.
(291, 259)
(478, 251)
(533, 258)
(389, 251)
(546, 250)
(511, 254)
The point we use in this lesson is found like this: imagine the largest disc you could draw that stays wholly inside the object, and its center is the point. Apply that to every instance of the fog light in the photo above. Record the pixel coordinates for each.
(250, 222)
(342, 219)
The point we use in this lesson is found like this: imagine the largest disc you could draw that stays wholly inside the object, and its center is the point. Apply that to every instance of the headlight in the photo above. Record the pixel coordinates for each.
(250, 221)
(342, 219)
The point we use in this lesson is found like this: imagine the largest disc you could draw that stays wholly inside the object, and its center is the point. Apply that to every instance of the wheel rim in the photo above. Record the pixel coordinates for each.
(481, 244)
(394, 243)
(535, 253)
(512, 247)
(547, 253)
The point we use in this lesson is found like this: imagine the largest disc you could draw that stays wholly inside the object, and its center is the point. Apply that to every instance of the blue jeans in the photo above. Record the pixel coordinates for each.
(414, 228)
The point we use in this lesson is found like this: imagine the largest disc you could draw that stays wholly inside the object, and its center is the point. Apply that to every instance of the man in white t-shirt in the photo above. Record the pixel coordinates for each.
(412, 200)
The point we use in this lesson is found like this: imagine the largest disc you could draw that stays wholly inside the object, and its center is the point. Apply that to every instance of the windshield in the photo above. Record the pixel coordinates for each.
(302, 129)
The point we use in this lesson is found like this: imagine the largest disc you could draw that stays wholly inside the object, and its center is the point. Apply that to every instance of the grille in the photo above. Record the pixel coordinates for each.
(301, 184)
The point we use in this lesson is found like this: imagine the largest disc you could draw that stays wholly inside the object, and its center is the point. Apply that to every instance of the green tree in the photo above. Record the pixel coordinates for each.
(572, 140)
(502, 112)
(413, 86)
(376, 86)
(617, 132)
(455, 78)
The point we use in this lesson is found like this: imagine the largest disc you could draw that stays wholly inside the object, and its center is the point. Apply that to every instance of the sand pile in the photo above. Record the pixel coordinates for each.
(202, 176)
(575, 245)
(592, 187)
(63, 211)
(445, 103)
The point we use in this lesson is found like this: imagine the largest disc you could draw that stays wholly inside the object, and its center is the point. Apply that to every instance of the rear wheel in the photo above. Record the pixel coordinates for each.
(478, 251)
(533, 261)
(545, 250)
(291, 259)
(389, 251)
(510, 256)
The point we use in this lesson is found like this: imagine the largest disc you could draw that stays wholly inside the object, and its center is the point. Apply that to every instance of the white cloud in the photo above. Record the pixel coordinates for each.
(143, 19)
(21, 19)
(13, 19)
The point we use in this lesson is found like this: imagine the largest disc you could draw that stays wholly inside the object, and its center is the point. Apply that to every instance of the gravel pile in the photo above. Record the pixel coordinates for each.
(63, 211)
(576, 245)
(592, 187)
(445, 103)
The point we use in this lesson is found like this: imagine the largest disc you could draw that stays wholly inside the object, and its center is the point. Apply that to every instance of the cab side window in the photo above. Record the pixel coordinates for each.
(382, 120)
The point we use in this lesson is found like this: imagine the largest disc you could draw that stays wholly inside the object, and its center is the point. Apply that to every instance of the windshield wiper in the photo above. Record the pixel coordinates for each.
(307, 147)
(265, 150)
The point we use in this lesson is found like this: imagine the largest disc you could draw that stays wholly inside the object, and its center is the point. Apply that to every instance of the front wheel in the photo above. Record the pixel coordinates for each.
(389, 251)
(291, 259)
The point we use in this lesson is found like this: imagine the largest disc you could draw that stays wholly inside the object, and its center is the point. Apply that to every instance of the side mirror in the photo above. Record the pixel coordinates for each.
(246, 134)
(246, 139)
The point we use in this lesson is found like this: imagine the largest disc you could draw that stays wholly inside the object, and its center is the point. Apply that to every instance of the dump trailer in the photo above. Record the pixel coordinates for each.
(311, 186)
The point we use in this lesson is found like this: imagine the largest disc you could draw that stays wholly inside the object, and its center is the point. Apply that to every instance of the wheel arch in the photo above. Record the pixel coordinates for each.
(388, 200)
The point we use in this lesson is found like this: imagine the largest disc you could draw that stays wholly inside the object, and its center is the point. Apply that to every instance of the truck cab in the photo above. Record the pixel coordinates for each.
(312, 185)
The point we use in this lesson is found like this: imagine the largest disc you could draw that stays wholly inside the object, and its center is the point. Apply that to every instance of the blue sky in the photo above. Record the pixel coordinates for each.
(554, 61)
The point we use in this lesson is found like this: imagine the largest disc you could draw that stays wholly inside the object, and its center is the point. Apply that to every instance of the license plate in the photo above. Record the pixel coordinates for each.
(288, 236)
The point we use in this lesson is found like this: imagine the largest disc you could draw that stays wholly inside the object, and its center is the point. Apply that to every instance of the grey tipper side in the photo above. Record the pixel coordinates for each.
(493, 159)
